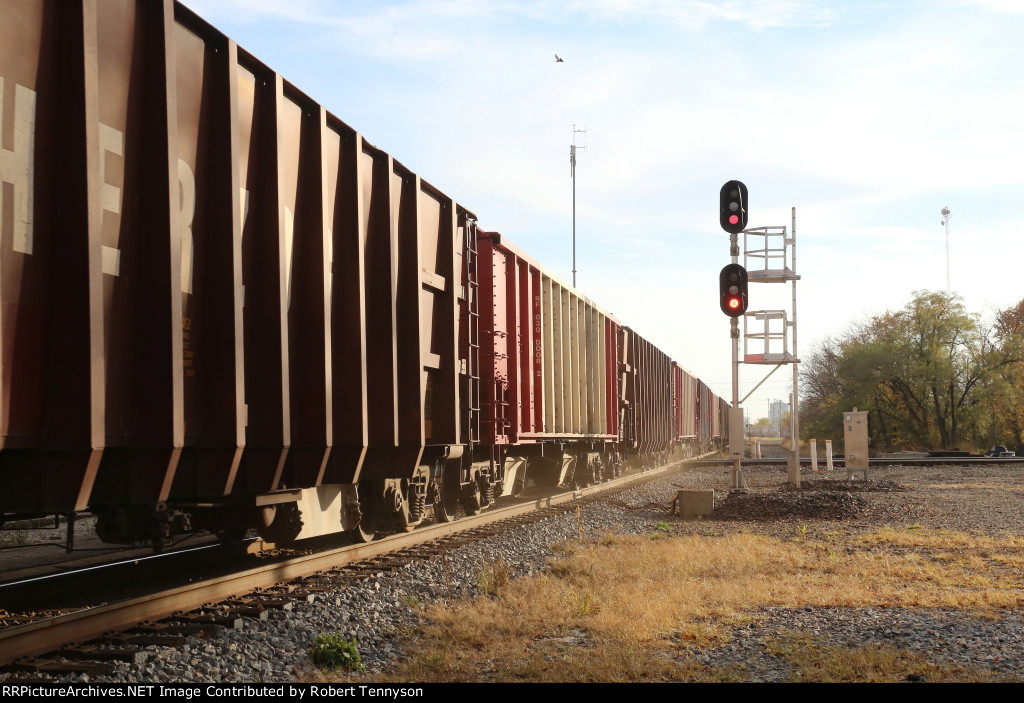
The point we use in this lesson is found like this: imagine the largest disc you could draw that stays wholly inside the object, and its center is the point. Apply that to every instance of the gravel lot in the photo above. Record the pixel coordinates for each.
(984, 500)
(981, 500)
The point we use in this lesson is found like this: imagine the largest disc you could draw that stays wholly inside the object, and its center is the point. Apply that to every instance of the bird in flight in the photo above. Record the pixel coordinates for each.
(558, 59)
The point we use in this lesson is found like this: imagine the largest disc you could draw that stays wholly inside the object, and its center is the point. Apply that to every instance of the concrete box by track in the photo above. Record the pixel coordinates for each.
(696, 502)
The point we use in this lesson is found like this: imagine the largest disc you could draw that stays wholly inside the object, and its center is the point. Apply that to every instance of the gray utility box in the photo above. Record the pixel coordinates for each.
(696, 502)
(737, 442)
(855, 440)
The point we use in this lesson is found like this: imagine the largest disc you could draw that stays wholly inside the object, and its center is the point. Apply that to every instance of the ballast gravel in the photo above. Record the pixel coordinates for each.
(377, 611)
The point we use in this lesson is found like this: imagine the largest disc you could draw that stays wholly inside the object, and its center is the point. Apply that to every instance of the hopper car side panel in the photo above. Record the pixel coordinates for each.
(550, 351)
(677, 400)
(704, 415)
(46, 290)
(689, 428)
(646, 396)
(204, 273)
(89, 361)
(217, 296)
(684, 407)
(712, 419)
(723, 423)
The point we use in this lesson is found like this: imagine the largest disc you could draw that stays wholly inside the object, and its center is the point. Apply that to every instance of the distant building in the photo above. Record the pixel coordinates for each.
(776, 409)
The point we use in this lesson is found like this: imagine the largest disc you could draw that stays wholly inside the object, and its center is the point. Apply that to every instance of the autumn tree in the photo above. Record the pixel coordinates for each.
(1004, 397)
(823, 395)
(923, 373)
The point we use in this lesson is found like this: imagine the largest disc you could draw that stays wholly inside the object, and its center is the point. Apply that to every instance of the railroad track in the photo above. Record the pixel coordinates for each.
(115, 630)
(839, 463)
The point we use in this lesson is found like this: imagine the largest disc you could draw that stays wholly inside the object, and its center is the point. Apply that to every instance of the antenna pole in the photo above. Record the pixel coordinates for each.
(572, 172)
(945, 221)
(572, 164)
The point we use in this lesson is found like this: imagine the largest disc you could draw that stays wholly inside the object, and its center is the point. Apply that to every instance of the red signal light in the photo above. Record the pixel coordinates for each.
(732, 207)
(732, 290)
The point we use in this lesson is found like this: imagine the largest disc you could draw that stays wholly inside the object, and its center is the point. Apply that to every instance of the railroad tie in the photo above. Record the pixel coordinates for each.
(255, 612)
(41, 665)
(169, 629)
(230, 622)
(341, 577)
(99, 653)
(143, 640)
(307, 594)
(262, 603)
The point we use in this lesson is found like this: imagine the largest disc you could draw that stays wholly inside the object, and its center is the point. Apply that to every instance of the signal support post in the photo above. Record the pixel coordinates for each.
(732, 294)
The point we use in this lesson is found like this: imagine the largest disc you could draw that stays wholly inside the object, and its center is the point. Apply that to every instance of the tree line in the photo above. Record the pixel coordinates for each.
(931, 376)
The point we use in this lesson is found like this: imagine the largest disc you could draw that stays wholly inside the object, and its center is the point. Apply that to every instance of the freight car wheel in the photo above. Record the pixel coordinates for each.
(369, 493)
(583, 474)
(487, 490)
(617, 467)
(445, 494)
(471, 501)
(414, 502)
(518, 486)
(365, 531)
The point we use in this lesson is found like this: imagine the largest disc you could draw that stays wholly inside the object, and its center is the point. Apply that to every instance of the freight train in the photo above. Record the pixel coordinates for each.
(223, 309)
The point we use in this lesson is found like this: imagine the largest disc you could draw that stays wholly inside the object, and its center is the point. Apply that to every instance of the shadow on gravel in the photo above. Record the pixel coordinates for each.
(823, 499)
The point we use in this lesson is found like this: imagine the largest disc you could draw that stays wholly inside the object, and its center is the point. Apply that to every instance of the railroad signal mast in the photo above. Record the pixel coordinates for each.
(769, 255)
(732, 294)
(777, 256)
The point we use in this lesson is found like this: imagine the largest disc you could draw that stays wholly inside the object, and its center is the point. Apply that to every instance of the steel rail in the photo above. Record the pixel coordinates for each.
(873, 462)
(84, 625)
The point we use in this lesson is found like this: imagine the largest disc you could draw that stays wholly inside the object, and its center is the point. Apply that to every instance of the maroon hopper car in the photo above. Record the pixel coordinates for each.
(222, 308)
(550, 397)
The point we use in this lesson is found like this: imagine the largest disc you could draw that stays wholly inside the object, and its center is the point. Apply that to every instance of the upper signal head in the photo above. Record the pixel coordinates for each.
(732, 206)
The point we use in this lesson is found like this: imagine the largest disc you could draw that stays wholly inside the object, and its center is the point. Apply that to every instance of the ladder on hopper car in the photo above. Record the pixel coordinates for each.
(471, 396)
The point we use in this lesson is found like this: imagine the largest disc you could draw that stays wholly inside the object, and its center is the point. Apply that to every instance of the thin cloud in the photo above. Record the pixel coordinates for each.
(1012, 7)
(869, 117)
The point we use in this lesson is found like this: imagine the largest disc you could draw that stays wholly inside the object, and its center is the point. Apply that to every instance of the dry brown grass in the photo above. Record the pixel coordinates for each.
(493, 577)
(632, 608)
(970, 486)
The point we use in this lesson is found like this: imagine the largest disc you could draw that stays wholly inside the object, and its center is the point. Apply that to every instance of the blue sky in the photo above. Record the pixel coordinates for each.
(868, 117)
